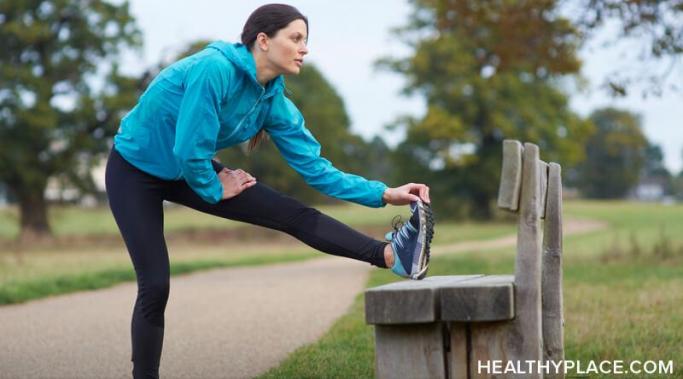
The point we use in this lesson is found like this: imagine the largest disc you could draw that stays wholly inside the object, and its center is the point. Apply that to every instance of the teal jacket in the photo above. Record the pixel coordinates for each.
(211, 100)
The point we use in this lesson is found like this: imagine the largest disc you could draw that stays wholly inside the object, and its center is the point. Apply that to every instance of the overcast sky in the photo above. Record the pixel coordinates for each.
(346, 37)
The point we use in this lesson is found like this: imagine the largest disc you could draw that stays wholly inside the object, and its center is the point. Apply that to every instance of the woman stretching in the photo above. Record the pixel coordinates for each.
(221, 96)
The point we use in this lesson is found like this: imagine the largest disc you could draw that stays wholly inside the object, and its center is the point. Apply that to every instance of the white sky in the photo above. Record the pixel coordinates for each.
(346, 37)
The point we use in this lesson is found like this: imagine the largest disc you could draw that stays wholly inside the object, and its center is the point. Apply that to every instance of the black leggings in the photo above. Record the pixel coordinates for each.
(136, 197)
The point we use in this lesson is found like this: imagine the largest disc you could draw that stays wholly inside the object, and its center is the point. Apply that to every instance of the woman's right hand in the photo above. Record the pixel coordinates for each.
(235, 181)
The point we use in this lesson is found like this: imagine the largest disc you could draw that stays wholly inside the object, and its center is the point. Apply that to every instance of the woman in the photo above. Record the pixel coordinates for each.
(221, 96)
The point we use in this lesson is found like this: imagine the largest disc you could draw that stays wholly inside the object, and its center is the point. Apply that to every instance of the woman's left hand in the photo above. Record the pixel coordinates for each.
(406, 194)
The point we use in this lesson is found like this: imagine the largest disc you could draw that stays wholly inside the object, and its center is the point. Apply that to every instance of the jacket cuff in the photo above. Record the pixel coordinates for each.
(379, 189)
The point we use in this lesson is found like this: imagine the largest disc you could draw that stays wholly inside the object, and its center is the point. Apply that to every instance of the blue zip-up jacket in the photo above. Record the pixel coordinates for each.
(211, 100)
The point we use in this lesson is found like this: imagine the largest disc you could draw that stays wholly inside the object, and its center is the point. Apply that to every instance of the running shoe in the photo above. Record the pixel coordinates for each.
(410, 242)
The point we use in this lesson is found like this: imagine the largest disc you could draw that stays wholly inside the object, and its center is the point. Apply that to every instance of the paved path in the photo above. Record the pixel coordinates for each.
(569, 227)
(226, 323)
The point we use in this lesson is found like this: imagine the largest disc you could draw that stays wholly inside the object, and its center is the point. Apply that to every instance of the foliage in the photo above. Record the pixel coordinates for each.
(652, 29)
(61, 94)
(489, 71)
(615, 155)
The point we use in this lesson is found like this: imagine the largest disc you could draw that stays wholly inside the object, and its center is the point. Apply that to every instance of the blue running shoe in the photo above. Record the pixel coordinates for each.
(410, 242)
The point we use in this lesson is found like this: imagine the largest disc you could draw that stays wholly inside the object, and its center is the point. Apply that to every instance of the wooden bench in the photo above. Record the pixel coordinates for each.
(454, 326)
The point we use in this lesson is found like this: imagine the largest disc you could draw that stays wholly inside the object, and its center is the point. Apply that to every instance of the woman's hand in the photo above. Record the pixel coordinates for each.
(235, 181)
(406, 193)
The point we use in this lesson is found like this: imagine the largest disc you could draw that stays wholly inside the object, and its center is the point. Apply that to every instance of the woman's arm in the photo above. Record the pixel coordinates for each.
(198, 125)
(286, 126)
(301, 150)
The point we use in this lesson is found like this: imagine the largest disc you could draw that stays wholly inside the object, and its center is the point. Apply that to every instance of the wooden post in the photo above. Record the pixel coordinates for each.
(470, 308)
(526, 327)
(410, 351)
(520, 339)
(553, 323)
(510, 176)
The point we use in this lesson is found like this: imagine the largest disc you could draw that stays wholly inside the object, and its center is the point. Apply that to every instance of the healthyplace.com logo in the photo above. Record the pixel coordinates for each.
(616, 367)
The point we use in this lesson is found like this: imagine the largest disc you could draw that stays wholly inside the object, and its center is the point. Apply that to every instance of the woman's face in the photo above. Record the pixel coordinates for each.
(287, 48)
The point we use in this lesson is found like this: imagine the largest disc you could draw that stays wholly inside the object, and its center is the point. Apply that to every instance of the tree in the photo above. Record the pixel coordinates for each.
(489, 71)
(655, 170)
(615, 155)
(61, 95)
(652, 29)
(654, 161)
(678, 186)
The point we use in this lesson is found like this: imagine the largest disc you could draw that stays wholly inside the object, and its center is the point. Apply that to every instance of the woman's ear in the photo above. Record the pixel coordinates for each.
(262, 41)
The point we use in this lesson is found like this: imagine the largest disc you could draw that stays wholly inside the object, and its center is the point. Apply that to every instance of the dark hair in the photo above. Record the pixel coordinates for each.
(269, 19)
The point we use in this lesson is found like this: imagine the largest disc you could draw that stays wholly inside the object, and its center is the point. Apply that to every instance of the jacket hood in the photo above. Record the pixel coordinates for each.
(241, 57)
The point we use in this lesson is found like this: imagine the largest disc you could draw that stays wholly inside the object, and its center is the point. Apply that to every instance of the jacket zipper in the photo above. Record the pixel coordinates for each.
(250, 111)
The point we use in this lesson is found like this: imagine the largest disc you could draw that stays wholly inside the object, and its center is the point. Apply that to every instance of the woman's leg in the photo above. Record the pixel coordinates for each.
(262, 205)
(136, 199)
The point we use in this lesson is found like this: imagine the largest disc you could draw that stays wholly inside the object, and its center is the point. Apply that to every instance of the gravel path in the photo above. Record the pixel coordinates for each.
(227, 323)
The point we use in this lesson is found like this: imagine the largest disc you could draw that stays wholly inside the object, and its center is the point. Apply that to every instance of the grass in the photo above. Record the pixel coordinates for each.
(40, 273)
(76, 221)
(51, 270)
(628, 308)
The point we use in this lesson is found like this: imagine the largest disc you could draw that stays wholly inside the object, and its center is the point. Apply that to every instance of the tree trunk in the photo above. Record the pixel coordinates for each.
(33, 214)
(482, 207)
(486, 170)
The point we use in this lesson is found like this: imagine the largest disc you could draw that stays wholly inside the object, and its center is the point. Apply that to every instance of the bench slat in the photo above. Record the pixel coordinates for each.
(409, 301)
(488, 298)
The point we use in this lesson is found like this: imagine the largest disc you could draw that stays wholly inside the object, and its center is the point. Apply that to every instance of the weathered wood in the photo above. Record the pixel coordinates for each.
(521, 338)
(553, 323)
(458, 359)
(490, 341)
(407, 302)
(488, 298)
(525, 335)
(543, 189)
(410, 351)
(510, 176)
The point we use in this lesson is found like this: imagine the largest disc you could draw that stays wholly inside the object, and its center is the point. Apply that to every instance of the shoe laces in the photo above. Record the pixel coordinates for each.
(401, 230)
(397, 222)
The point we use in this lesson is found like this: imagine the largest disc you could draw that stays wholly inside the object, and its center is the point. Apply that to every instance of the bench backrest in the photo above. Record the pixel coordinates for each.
(532, 188)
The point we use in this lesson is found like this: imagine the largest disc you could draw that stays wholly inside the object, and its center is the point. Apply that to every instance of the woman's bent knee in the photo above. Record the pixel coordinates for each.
(152, 301)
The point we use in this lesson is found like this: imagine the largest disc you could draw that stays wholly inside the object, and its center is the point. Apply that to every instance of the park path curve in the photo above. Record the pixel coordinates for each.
(570, 227)
(223, 323)
(226, 323)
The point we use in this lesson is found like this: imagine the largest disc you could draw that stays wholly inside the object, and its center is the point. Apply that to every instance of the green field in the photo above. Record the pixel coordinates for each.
(78, 261)
(623, 300)
(73, 221)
